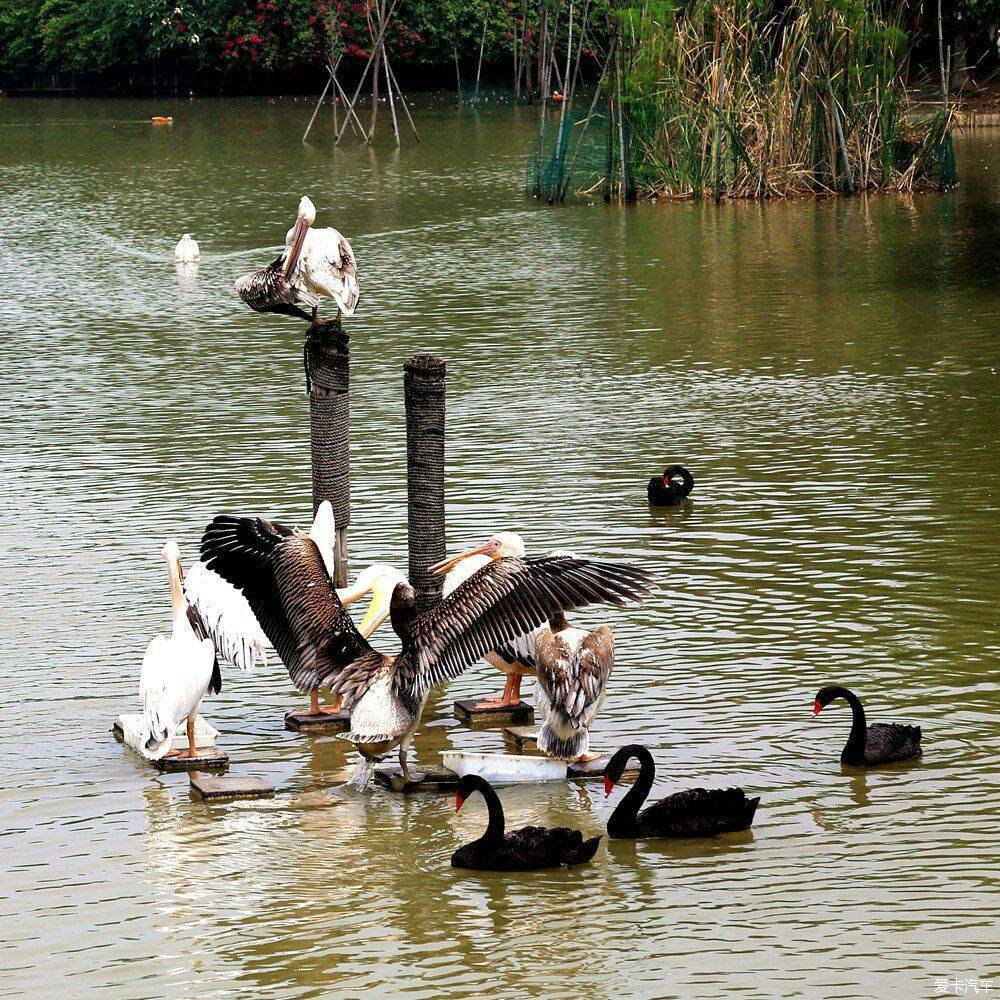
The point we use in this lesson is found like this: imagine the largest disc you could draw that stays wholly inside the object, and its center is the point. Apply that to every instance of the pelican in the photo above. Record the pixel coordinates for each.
(327, 267)
(279, 287)
(283, 577)
(187, 250)
(178, 670)
(501, 545)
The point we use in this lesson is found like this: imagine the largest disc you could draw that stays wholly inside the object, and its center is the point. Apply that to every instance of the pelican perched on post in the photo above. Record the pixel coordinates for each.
(283, 577)
(279, 287)
(501, 545)
(178, 670)
(327, 267)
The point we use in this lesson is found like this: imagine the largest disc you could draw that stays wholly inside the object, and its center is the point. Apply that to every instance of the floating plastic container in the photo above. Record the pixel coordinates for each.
(205, 734)
(504, 768)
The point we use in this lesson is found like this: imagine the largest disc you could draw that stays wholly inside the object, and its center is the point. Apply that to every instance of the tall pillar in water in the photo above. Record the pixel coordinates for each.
(327, 362)
(423, 391)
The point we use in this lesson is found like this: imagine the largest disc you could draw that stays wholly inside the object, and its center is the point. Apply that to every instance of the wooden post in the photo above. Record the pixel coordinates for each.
(423, 392)
(327, 361)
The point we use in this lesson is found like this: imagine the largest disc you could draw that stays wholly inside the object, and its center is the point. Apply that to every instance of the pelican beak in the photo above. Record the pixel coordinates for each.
(487, 548)
(351, 594)
(378, 609)
(298, 238)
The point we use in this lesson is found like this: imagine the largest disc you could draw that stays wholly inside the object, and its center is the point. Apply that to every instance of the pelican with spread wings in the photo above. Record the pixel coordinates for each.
(281, 573)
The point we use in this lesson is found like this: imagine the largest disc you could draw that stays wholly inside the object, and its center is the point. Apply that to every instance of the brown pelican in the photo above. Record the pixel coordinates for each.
(187, 250)
(501, 545)
(178, 670)
(327, 267)
(279, 287)
(282, 574)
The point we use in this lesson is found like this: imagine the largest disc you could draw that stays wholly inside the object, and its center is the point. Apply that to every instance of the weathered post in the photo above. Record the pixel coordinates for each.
(423, 392)
(327, 361)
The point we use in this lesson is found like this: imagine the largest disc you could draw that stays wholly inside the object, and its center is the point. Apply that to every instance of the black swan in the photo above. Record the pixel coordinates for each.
(881, 743)
(528, 849)
(670, 488)
(696, 812)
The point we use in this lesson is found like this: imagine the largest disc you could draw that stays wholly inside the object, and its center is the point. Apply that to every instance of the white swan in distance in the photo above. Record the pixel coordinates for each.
(187, 250)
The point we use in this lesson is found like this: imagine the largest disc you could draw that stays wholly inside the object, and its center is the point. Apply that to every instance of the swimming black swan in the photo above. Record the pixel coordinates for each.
(522, 850)
(881, 743)
(670, 488)
(696, 812)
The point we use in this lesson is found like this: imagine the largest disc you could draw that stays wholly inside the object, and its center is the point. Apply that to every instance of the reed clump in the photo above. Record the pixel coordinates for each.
(774, 98)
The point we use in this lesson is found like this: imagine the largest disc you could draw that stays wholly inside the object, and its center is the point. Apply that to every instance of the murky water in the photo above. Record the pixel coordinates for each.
(828, 370)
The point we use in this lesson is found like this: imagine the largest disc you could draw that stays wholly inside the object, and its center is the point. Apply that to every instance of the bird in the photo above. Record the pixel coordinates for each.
(327, 267)
(879, 743)
(187, 250)
(670, 488)
(178, 670)
(279, 287)
(224, 613)
(458, 569)
(529, 849)
(573, 667)
(695, 812)
(162, 120)
(282, 575)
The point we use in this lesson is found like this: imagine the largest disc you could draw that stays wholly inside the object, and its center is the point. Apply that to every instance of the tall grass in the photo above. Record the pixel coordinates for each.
(773, 98)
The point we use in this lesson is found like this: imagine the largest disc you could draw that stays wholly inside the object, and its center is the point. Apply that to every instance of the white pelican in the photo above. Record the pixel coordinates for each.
(178, 670)
(501, 545)
(187, 250)
(283, 577)
(279, 287)
(327, 266)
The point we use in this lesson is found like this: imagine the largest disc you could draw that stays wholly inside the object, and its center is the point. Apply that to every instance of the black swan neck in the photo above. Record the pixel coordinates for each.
(624, 819)
(495, 827)
(859, 724)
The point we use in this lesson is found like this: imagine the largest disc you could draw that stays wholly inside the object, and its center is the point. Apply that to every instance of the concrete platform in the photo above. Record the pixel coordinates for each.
(128, 729)
(208, 757)
(519, 714)
(523, 737)
(212, 788)
(436, 779)
(320, 722)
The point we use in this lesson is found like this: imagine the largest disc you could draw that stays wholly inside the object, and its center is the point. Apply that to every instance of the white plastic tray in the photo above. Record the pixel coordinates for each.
(504, 768)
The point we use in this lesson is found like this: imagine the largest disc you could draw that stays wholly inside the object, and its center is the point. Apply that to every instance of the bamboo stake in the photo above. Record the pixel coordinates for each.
(479, 67)
(392, 102)
(368, 66)
(319, 103)
(402, 101)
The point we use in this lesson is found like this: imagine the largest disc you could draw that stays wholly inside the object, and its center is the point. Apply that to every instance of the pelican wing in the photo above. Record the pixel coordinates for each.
(225, 617)
(505, 600)
(573, 682)
(282, 575)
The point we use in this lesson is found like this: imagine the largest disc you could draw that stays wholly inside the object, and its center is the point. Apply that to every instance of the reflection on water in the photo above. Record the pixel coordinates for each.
(826, 369)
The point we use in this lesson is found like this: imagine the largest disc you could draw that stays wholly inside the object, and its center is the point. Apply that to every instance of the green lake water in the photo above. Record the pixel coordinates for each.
(828, 371)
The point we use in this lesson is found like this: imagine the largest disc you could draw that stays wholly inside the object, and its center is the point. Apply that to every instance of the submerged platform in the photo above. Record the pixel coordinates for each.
(435, 779)
(128, 727)
(212, 788)
(523, 737)
(518, 714)
(318, 722)
(211, 758)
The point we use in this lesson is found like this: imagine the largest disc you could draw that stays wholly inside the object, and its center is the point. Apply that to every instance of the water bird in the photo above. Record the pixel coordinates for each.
(670, 488)
(573, 667)
(458, 569)
(879, 743)
(695, 812)
(178, 670)
(187, 250)
(279, 287)
(327, 268)
(282, 575)
(529, 849)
